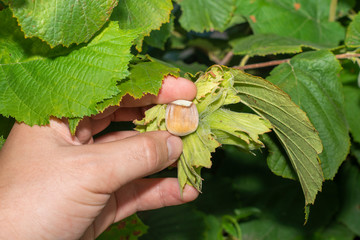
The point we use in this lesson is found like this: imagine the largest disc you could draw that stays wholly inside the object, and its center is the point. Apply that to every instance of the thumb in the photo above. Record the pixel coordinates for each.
(113, 164)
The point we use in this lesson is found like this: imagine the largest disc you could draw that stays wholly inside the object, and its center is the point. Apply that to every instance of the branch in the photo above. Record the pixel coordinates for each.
(277, 62)
(227, 58)
(224, 61)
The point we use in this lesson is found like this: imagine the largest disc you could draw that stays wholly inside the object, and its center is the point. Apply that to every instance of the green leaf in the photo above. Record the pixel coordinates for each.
(344, 7)
(311, 81)
(277, 160)
(350, 193)
(144, 17)
(2, 141)
(335, 231)
(130, 228)
(62, 86)
(353, 33)
(304, 20)
(197, 149)
(244, 127)
(159, 37)
(291, 125)
(146, 77)
(269, 44)
(352, 110)
(231, 226)
(237, 16)
(62, 22)
(176, 222)
(206, 15)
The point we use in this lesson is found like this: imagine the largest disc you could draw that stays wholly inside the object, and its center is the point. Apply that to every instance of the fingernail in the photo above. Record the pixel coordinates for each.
(174, 146)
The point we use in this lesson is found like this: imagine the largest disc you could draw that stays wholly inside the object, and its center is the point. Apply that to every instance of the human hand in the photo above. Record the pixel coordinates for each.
(57, 186)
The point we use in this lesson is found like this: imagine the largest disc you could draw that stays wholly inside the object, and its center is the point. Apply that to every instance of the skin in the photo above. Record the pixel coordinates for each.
(57, 186)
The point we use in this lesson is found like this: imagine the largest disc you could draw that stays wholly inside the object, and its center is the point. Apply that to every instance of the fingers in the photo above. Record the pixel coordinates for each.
(108, 166)
(151, 193)
(141, 195)
(171, 90)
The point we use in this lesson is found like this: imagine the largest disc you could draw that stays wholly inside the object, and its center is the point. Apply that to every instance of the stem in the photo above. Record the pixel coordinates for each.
(277, 62)
(244, 60)
(227, 58)
(263, 64)
(214, 58)
(332, 13)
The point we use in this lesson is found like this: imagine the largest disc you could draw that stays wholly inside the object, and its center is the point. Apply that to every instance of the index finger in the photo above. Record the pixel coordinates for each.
(172, 89)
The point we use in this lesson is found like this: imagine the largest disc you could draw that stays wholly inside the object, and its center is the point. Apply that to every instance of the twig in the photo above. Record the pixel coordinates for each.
(277, 62)
(214, 58)
(332, 13)
(227, 58)
(262, 65)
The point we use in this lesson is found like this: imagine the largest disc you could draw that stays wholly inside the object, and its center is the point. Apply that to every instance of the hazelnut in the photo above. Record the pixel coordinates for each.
(182, 117)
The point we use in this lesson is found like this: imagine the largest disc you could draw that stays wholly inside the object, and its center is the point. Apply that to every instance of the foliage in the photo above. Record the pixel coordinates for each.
(76, 58)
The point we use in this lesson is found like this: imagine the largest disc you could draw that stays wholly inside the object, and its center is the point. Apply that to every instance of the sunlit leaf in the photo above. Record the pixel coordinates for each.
(35, 87)
(144, 17)
(62, 22)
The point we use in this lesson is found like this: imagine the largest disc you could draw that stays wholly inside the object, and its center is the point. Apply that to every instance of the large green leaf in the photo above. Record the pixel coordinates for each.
(353, 33)
(291, 125)
(266, 44)
(146, 77)
(305, 20)
(206, 15)
(311, 81)
(142, 17)
(352, 110)
(35, 87)
(62, 22)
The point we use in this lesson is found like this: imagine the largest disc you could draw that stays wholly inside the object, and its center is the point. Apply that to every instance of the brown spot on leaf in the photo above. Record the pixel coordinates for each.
(121, 225)
(136, 233)
(253, 18)
(297, 6)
